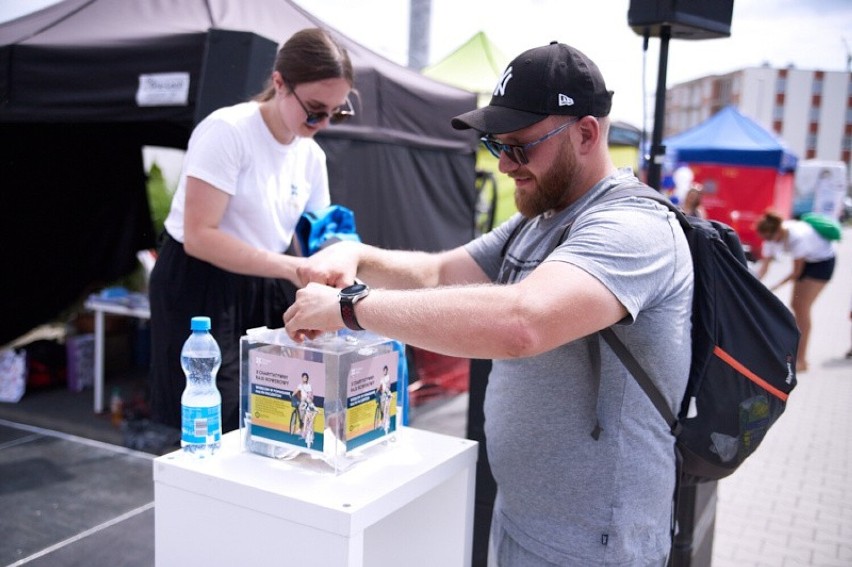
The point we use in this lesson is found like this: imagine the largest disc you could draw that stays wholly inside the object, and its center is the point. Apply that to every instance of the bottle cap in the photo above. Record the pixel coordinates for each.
(200, 324)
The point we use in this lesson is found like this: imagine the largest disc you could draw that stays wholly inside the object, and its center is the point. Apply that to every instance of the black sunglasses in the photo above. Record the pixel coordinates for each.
(518, 153)
(337, 116)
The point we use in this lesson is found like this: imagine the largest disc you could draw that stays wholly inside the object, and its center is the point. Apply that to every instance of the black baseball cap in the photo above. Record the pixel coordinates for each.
(553, 79)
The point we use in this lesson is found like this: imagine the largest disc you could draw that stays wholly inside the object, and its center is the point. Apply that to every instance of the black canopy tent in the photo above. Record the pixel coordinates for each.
(75, 112)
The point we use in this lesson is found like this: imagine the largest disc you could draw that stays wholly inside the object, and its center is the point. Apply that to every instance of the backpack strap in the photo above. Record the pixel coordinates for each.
(642, 378)
(594, 346)
(642, 190)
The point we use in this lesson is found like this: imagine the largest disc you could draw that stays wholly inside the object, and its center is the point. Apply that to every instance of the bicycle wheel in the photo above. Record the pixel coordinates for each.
(294, 421)
(377, 419)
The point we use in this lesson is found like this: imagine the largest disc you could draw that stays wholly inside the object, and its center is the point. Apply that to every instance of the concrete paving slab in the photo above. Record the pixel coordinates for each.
(57, 491)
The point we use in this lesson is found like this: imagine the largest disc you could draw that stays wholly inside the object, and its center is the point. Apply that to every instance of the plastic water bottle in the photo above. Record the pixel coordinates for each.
(201, 403)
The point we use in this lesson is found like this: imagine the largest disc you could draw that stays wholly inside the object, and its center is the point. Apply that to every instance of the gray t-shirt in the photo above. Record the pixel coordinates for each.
(567, 497)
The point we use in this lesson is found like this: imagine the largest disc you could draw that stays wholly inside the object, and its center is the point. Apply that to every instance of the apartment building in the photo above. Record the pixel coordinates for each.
(810, 110)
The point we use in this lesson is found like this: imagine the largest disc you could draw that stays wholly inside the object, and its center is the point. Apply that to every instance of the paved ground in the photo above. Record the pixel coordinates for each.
(71, 501)
(791, 503)
(68, 500)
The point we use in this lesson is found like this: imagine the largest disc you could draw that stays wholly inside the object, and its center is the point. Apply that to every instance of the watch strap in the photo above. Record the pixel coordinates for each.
(347, 312)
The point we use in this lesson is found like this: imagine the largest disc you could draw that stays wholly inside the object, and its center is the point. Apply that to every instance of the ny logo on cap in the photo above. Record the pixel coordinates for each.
(565, 100)
(500, 89)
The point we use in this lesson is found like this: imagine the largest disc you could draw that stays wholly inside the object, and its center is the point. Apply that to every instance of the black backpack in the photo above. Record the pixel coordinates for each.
(744, 343)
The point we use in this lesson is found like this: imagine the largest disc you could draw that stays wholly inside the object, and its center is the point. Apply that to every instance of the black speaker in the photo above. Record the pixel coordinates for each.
(686, 19)
(236, 67)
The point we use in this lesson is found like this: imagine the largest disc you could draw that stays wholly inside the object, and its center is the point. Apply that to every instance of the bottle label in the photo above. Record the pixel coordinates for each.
(201, 425)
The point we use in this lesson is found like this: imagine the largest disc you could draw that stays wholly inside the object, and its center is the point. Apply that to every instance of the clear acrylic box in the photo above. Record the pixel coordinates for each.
(331, 398)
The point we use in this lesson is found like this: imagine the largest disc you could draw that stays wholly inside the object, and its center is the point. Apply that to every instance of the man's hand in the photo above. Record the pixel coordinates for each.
(316, 310)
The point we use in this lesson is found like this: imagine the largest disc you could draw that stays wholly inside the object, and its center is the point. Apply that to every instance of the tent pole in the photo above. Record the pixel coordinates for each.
(658, 150)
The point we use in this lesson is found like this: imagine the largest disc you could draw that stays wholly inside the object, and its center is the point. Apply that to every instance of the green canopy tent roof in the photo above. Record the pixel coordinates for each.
(475, 66)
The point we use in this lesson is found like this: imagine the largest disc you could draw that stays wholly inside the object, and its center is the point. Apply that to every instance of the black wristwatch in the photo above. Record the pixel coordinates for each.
(349, 296)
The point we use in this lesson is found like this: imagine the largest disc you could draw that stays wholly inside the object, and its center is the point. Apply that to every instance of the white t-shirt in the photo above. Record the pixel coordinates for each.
(306, 392)
(270, 184)
(803, 242)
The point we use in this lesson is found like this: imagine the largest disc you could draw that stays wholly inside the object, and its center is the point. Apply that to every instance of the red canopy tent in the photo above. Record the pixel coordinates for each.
(744, 168)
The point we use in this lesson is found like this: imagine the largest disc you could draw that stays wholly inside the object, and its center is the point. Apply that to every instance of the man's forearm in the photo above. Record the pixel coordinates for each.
(398, 269)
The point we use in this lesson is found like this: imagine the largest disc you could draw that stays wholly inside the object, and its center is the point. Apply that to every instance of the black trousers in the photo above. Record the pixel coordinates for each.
(182, 287)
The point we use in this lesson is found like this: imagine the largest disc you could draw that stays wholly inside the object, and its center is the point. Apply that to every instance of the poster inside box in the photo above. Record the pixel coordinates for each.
(327, 396)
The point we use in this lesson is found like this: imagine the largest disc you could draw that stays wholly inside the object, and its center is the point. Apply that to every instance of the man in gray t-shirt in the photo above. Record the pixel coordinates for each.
(532, 295)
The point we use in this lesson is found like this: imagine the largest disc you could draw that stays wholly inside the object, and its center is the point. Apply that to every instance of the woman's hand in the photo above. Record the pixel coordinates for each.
(763, 267)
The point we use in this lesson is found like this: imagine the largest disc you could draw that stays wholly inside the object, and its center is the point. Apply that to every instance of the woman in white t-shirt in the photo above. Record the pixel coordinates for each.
(251, 170)
(813, 266)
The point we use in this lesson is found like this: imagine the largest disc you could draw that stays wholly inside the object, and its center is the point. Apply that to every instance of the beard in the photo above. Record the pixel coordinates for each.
(552, 186)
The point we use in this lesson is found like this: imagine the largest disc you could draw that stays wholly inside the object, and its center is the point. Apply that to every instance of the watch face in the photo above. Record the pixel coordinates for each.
(353, 290)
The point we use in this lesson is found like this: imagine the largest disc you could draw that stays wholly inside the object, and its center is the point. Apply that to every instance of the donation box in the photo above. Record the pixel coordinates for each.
(330, 398)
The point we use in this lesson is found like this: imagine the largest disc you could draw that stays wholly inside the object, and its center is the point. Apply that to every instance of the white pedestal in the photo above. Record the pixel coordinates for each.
(408, 503)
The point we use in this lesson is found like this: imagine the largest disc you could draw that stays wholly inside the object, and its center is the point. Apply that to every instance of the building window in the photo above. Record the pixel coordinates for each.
(725, 92)
(813, 114)
(816, 86)
(695, 96)
(810, 141)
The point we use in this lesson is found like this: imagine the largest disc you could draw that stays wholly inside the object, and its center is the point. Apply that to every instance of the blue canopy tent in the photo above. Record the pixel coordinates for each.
(745, 169)
(732, 138)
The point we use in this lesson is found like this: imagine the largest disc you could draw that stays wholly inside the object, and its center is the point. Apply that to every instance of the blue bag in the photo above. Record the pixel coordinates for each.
(317, 229)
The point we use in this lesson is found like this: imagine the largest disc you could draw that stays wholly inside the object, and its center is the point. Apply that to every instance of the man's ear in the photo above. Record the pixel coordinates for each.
(590, 133)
